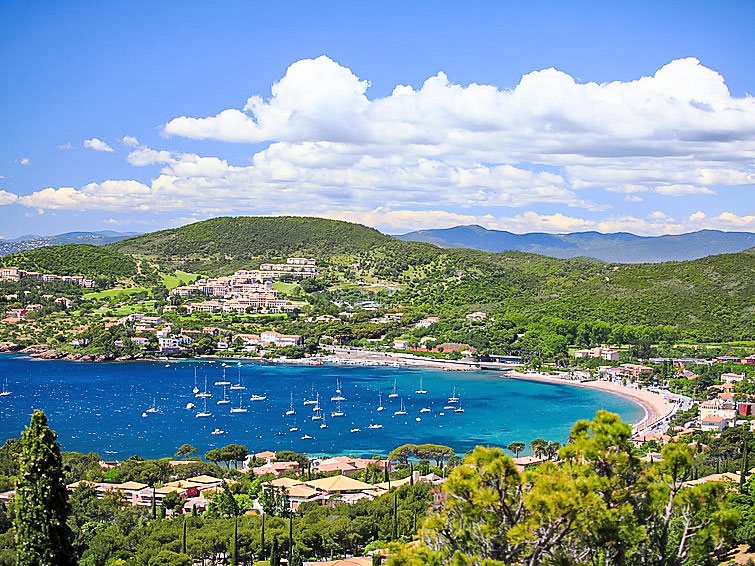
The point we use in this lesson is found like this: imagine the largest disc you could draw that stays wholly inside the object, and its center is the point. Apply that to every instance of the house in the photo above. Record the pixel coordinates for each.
(658, 437)
(718, 408)
(732, 377)
(169, 345)
(275, 468)
(346, 465)
(401, 344)
(476, 315)
(726, 477)
(713, 423)
(429, 321)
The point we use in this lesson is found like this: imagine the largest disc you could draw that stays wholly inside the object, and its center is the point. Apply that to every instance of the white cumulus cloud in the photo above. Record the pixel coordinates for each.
(441, 153)
(97, 145)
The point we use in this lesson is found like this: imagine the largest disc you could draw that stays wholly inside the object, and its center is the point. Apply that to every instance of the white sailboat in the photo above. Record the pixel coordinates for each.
(239, 385)
(240, 408)
(225, 400)
(291, 407)
(323, 424)
(317, 410)
(380, 403)
(313, 400)
(195, 390)
(256, 397)
(453, 398)
(421, 391)
(204, 413)
(355, 430)
(375, 425)
(402, 410)
(153, 408)
(395, 393)
(204, 394)
(425, 410)
(459, 408)
(5, 392)
(338, 396)
(223, 381)
(338, 412)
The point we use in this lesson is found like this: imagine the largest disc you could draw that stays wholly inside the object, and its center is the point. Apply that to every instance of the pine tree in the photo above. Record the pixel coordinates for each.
(42, 535)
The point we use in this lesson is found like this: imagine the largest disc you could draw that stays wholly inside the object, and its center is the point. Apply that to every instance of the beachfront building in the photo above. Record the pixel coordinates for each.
(272, 338)
(635, 371)
(608, 354)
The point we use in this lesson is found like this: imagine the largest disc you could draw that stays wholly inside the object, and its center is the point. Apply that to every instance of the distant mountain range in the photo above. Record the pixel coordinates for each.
(620, 247)
(31, 241)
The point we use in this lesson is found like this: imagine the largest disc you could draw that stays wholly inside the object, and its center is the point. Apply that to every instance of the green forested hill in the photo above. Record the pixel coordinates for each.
(229, 240)
(74, 259)
(705, 299)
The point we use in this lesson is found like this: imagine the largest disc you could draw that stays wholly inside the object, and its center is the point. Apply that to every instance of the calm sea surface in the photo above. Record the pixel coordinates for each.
(102, 407)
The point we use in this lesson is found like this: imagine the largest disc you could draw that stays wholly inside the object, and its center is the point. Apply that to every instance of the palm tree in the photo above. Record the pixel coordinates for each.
(516, 448)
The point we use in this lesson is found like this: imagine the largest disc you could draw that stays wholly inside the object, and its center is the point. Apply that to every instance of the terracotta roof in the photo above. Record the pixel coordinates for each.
(394, 483)
(285, 482)
(339, 483)
(130, 485)
(205, 479)
(302, 491)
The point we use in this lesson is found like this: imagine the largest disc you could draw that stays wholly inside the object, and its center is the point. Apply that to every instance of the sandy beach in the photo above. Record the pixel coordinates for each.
(655, 406)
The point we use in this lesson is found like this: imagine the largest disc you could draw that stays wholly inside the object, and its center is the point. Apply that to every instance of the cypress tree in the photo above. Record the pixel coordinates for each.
(275, 554)
(394, 518)
(262, 538)
(235, 558)
(290, 537)
(183, 538)
(42, 535)
(745, 465)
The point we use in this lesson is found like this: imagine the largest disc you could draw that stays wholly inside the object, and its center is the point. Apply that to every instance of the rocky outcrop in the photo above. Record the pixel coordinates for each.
(44, 352)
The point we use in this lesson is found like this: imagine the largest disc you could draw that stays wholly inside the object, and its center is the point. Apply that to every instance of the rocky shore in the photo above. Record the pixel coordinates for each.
(43, 352)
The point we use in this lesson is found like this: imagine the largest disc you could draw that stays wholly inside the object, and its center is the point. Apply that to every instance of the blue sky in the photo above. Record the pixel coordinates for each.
(540, 121)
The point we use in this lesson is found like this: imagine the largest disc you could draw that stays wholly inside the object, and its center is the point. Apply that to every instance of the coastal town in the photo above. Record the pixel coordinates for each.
(302, 313)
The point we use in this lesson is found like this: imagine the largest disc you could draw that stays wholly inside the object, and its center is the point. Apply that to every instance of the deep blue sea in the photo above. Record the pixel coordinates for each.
(100, 407)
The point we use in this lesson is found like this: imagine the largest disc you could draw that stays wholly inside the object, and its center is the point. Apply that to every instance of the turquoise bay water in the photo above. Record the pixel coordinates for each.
(99, 407)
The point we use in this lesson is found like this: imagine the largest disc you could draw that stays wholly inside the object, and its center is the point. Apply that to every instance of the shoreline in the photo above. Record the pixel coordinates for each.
(655, 406)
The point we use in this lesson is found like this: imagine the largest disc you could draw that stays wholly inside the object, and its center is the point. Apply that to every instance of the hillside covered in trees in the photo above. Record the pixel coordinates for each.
(74, 259)
(705, 299)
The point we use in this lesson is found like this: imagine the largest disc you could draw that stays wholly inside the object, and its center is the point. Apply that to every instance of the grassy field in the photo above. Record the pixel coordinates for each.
(179, 278)
(110, 293)
(145, 307)
(285, 288)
